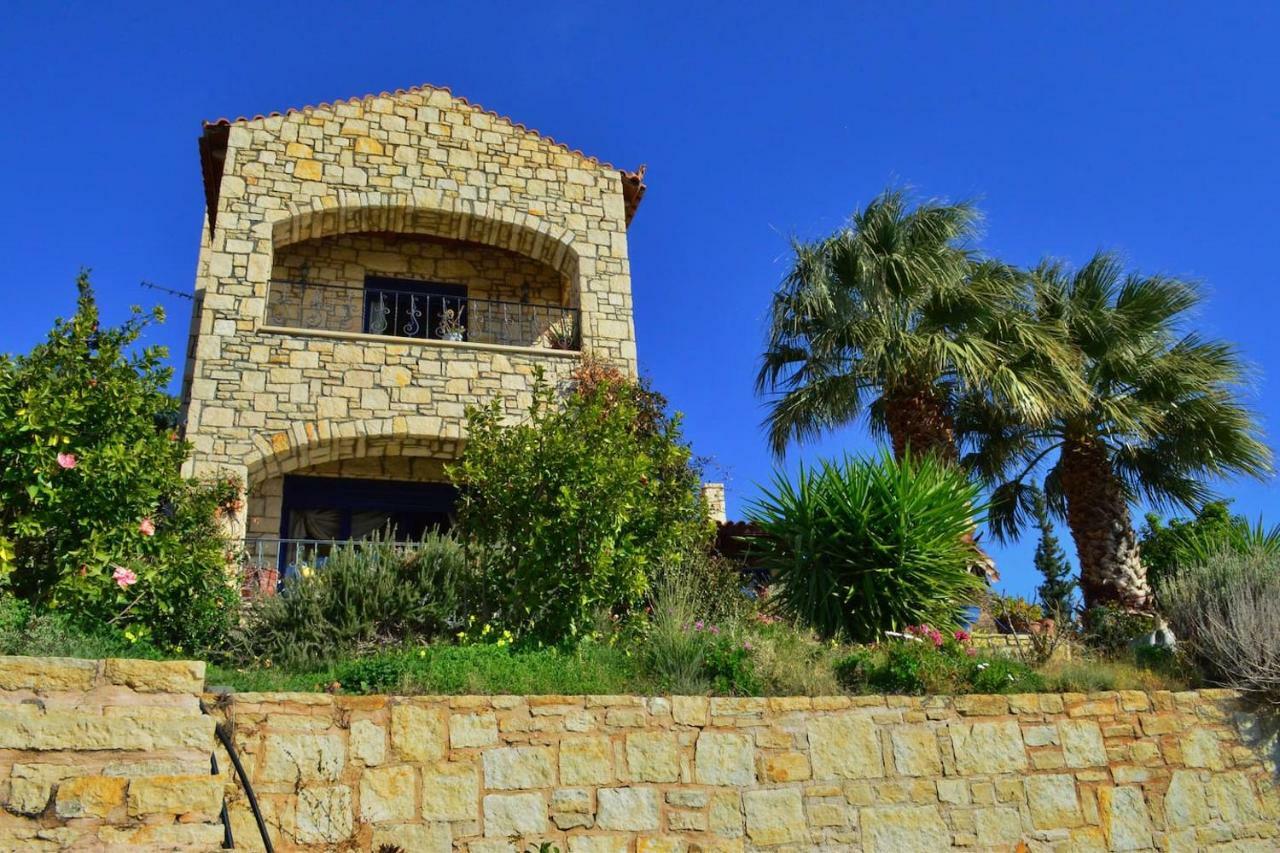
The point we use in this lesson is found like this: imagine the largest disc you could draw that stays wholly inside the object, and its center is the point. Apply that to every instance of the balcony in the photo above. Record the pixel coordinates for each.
(421, 312)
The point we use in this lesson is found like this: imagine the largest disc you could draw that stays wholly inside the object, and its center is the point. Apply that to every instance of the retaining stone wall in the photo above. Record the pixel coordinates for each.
(106, 755)
(1107, 771)
(114, 755)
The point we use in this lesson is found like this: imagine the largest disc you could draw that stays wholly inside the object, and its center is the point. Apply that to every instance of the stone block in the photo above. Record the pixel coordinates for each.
(58, 730)
(586, 761)
(653, 757)
(1200, 748)
(1082, 744)
(690, 710)
(19, 672)
(450, 792)
(599, 844)
(515, 767)
(324, 815)
(997, 826)
(1123, 816)
(302, 757)
(994, 747)
(514, 814)
(629, 809)
(893, 829)
(194, 797)
(368, 742)
(31, 786)
(724, 758)
(1185, 803)
(90, 796)
(1234, 797)
(844, 746)
(468, 731)
(915, 752)
(724, 816)
(387, 793)
(786, 767)
(1053, 801)
(419, 733)
(415, 837)
(775, 816)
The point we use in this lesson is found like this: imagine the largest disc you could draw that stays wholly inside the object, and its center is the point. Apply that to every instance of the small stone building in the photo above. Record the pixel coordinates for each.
(368, 270)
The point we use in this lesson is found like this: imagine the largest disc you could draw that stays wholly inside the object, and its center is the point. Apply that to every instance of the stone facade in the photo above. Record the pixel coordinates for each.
(414, 185)
(1106, 771)
(106, 755)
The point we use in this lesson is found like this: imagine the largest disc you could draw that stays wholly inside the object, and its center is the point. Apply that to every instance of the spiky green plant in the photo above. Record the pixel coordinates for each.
(865, 546)
(891, 317)
(1162, 418)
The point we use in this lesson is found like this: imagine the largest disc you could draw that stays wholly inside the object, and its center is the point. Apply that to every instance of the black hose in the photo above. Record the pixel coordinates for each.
(228, 841)
(224, 736)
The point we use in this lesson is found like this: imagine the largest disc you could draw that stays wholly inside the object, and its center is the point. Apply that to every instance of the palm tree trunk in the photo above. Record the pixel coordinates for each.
(917, 418)
(1111, 570)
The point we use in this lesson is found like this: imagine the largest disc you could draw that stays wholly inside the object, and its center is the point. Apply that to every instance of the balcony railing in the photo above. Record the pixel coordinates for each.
(421, 315)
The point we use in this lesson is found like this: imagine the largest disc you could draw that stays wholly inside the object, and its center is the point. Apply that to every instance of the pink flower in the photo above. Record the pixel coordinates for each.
(67, 460)
(747, 645)
(970, 651)
(124, 577)
(697, 626)
(715, 630)
(962, 636)
(147, 527)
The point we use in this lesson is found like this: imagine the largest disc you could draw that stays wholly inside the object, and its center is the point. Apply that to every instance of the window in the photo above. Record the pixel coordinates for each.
(415, 309)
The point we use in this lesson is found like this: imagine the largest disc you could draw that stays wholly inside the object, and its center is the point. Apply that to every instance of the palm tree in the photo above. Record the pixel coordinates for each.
(1161, 418)
(893, 317)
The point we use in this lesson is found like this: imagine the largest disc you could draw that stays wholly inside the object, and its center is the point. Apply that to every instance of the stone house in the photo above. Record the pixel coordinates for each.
(370, 268)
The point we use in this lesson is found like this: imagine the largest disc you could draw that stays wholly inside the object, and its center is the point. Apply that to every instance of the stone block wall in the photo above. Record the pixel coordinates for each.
(1107, 771)
(108, 755)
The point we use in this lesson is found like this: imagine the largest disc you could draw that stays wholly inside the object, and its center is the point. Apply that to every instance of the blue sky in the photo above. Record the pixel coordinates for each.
(1151, 129)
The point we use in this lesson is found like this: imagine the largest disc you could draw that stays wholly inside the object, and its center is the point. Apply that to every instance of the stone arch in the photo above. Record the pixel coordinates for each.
(309, 443)
(430, 213)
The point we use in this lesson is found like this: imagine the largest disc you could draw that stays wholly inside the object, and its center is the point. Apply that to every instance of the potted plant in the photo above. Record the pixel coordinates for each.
(1014, 615)
(450, 327)
(563, 335)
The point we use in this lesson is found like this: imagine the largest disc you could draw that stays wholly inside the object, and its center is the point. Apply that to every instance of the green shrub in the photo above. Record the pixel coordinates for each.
(1196, 540)
(917, 668)
(367, 593)
(1226, 614)
(1013, 614)
(577, 506)
(26, 631)
(868, 546)
(1112, 630)
(95, 517)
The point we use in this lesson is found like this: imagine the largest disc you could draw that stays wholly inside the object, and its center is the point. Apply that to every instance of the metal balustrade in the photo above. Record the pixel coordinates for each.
(421, 315)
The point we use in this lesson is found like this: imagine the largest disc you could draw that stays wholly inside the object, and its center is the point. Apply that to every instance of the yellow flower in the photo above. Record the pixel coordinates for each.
(422, 653)
(486, 630)
(306, 571)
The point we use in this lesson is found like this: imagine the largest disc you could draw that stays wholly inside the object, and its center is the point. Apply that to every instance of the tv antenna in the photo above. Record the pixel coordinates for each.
(153, 286)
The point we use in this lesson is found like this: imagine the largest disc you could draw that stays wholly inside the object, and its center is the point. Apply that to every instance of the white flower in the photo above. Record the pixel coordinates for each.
(983, 666)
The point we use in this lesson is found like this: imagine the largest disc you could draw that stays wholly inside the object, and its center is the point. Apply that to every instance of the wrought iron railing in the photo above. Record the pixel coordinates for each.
(267, 561)
(421, 315)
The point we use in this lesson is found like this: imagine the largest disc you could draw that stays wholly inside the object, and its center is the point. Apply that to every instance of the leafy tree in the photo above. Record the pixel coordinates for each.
(1161, 419)
(862, 547)
(574, 508)
(1057, 592)
(97, 521)
(892, 317)
(1213, 530)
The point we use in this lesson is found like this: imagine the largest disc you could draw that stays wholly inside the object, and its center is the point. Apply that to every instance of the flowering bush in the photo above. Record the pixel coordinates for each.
(96, 520)
(923, 659)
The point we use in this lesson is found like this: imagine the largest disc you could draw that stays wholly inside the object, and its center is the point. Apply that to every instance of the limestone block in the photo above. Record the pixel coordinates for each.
(31, 786)
(630, 809)
(989, 747)
(997, 826)
(893, 829)
(450, 792)
(653, 757)
(775, 816)
(157, 729)
(419, 733)
(1053, 801)
(786, 767)
(18, 672)
(324, 815)
(724, 758)
(302, 757)
(586, 761)
(1200, 749)
(844, 746)
(368, 742)
(416, 837)
(915, 752)
(1233, 795)
(1185, 803)
(724, 817)
(473, 730)
(514, 767)
(194, 797)
(514, 814)
(1082, 744)
(599, 844)
(90, 796)
(1124, 819)
(387, 793)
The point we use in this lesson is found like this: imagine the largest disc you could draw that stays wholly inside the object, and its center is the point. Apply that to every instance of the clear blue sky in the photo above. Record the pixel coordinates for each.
(1151, 129)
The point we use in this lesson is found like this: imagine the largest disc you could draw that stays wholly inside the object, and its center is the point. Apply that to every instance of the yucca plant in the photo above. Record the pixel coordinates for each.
(864, 546)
